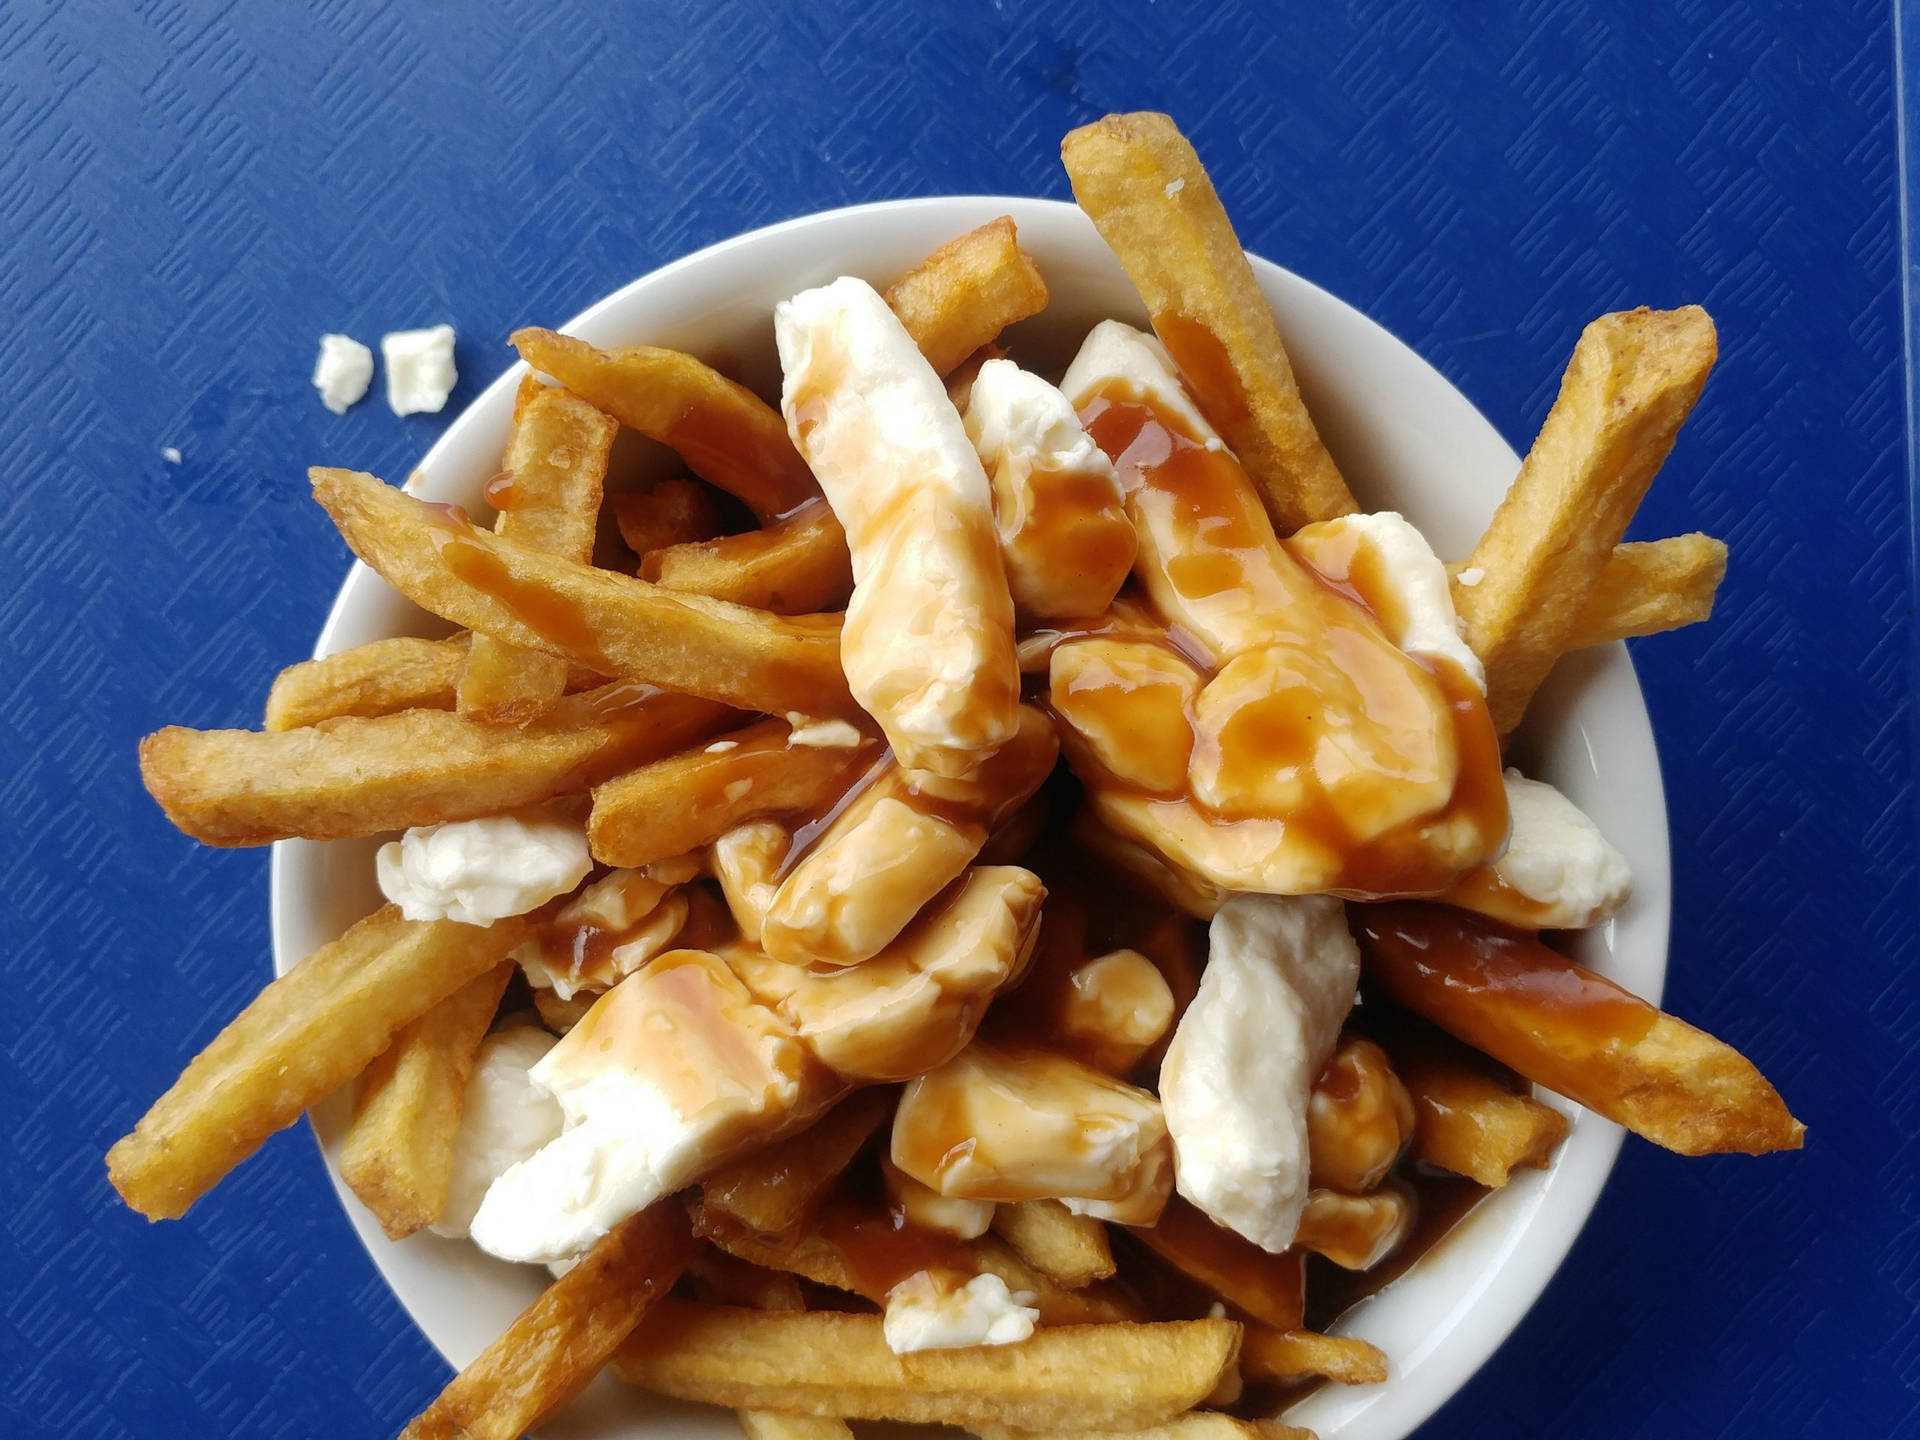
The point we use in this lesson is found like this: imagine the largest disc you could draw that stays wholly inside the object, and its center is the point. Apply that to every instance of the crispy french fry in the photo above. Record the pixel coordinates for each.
(1650, 586)
(1267, 1356)
(1076, 1377)
(611, 623)
(1577, 1033)
(773, 1191)
(304, 1036)
(1150, 198)
(549, 499)
(722, 1279)
(1194, 1425)
(560, 1341)
(380, 678)
(966, 292)
(1268, 1288)
(728, 436)
(672, 512)
(670, 806)
(795, 566)
(356, 776)
(398, 1155)
(1061, 1245)
(1628, 388)
(1465, 1119)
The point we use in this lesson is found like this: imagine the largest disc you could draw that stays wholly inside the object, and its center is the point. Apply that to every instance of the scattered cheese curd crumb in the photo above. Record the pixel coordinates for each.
(170, 454)
(505, 1118)
(925, 1313)
(420, 373)
(1471, 576)
(822, 734)
(480, 871)
(720, 747)
(343, 372)
(1174, 187)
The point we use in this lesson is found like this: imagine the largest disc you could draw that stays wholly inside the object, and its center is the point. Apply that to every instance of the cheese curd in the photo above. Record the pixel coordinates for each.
(1558, 873)
(928, 641)
(341, 374)
(604, 934)
(924, 1208)
(1065, 538)
(480, 871)
(420, 371)
(746, 862)
(1280, 978)
(931, 1312)
(504, 1119)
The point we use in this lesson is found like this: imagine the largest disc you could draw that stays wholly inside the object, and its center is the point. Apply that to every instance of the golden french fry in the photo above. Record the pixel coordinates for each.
(398, 1155)
(1061, 1245)
(559, 1342)
(1650, 586)
(728, 436)
(1076, 1377)
(672, 512)
(1147, 193)
(722, 1279)
(670, 806)
(966, 292)
(377, 678)
(795, 566)
(611, 623)
(1358, 1118)
(1628, 388)
(774, 1191)
(1577, 1033)
(304, 1036)
(356, 776)
(1268, 1356)
(1465, 1119)
(1268, 1288)
(548, 496)
(1194, 1425)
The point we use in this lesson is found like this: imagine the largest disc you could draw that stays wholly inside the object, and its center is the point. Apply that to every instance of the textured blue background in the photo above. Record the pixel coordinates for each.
(190, 193)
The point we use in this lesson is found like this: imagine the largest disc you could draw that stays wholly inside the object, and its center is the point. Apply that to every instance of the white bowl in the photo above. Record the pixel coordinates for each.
(1405, 439)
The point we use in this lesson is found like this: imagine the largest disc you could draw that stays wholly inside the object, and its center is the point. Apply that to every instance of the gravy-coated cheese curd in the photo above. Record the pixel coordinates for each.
(746, 861)
(925, 1208)
(1359, 1118)
(1558, 872)
(928, 641)
(603, 934)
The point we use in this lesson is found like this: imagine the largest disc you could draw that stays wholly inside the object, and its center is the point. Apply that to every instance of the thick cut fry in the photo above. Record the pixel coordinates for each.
(1577, 1033)
(398, 1155)
(1267, 1356)
(548, 496)
(1077, 1377)
(611, 623)
(728, 436)
(1266, 1287)
(380, 678)
(353, 776)
(966, 292)
(773, 1191)
(1465, 1119)
(673, 512)
(1650, 586)
(1061, 1245)
(671, 806)
(303, 1037)
(795, 566)
(1194, 1425)
(1628, 388)
(558, 1343)
(1150, 198)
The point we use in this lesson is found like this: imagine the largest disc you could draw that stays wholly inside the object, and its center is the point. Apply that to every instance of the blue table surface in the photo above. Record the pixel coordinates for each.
(191, 193)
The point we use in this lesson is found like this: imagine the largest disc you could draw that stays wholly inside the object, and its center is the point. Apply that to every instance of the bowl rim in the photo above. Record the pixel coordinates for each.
(1558, 1201)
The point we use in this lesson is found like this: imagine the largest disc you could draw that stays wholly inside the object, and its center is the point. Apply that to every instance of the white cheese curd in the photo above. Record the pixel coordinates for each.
(1116, 351)
(480, 871)
(505, 1119)
(343, 372)
(420, 372)
(1558, 859)
(926, 1313)
(1280, 978)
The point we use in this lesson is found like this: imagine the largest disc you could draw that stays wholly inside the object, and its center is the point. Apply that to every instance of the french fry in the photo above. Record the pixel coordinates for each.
(795, 566)
(1271, 1356)
(1650, 586)
(966, 292)
(1065, 1247)
(1147, 193)
(1577, 1033)
(304, 1036)
(379, 678)
(1194, 1425)
(1466, 1120)
(769, 1425)
(398, 1154)
(356, 776)
(1265, 1287)
(728, 436)
(559, 1342)
(670, 806)
(1632, 380)
(718, 1278)
(1077, 1377)
(548, 497)
(672, 512)
(773, 1191)
(611, 623)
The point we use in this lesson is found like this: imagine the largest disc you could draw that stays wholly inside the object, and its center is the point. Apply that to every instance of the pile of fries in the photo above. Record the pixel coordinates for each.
(673, 703)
